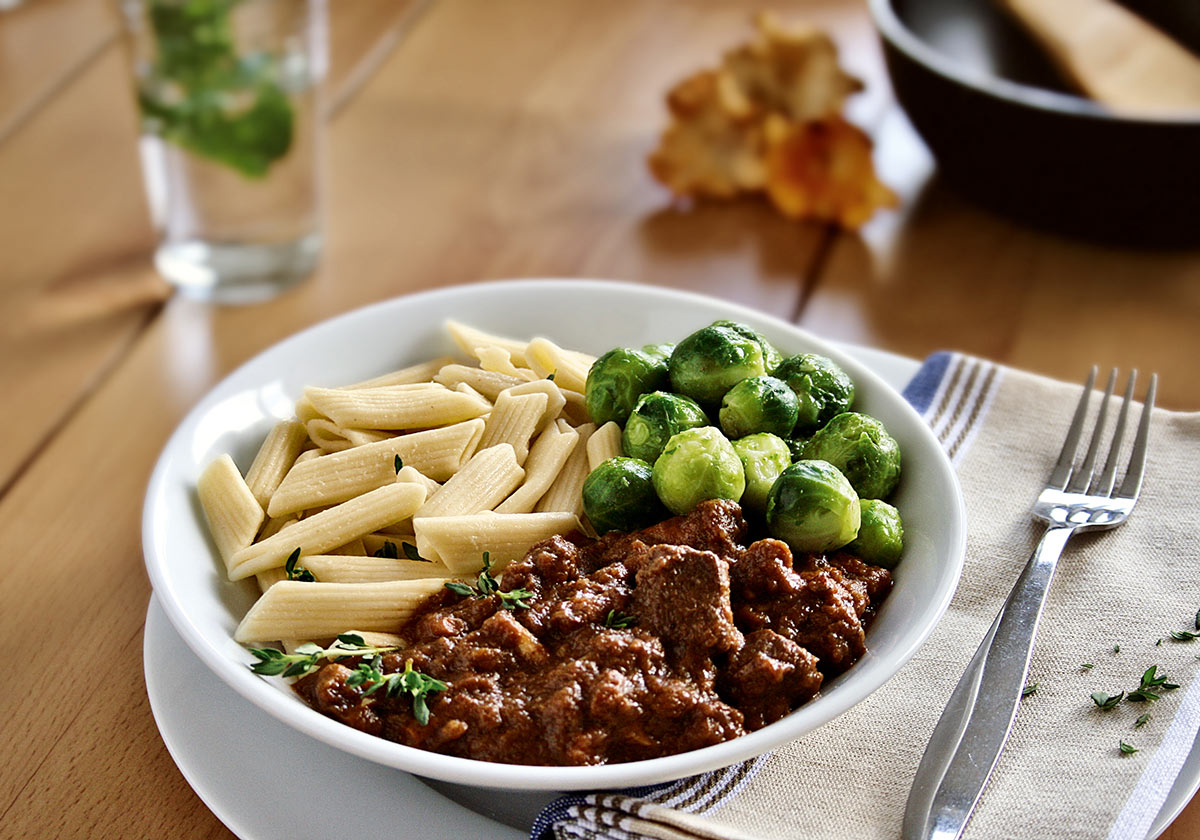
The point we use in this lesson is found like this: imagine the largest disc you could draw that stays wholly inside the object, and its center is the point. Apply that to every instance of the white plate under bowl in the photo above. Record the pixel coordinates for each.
(591, 316)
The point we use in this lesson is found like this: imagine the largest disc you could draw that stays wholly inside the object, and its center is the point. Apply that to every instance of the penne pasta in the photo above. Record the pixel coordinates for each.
(342, 569)
(419, 406)
(327, 435)
(295, 610)
(546, 459)
(575, 410)
(604, 443)
(420, 372)
(555, 401)
(305, 411)
(435, 453)
(270, 577)
(566, 492)
(461, 540)
(331, 528)
(484, 482)
(499, 360)
(275, 457)
(351, 549)
(487, 382)
(234, 515)
(469, 339)
(570, 368)
(514, 420)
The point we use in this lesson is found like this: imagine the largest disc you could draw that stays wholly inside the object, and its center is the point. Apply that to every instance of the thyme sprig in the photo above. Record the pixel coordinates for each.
(308, 657)
(1152, 684)
(389, 551)
(486, 585)
(413, 683)
(619, 620)
(295, 571)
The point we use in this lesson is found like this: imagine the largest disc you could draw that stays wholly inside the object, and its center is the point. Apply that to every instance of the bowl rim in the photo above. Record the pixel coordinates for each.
(900, 36)
(529, 777)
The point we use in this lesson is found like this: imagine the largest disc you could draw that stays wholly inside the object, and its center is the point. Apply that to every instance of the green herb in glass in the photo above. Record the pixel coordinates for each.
(206, 98)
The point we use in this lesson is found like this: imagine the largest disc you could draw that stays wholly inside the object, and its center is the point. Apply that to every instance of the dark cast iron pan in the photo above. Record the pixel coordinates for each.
(1008, 134)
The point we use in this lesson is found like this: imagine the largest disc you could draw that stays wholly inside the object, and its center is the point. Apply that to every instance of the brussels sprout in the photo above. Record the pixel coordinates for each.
(764, 456)
(712, 360)
(655, 417)
(880, 537)
(812, 507)
(619, 496)
(617, 379)
(859, 446)
(698, 464)
(822, 388)
(759, 404)
(771, 356)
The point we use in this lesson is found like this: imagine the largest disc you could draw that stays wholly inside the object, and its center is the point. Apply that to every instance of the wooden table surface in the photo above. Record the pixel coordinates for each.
(465, 141)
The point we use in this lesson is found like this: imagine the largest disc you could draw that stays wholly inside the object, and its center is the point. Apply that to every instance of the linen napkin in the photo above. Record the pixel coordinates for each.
(1115, 599)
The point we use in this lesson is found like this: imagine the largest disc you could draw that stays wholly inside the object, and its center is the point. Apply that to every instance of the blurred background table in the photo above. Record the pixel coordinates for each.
(465, 141)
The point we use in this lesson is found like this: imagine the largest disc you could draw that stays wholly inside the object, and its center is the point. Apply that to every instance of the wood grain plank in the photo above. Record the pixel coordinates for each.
(43, 44)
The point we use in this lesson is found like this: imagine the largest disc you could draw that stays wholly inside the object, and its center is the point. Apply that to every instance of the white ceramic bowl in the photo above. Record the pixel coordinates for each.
(587, 315)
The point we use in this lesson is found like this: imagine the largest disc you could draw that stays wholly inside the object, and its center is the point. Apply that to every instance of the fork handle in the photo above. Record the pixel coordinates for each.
(968, 739)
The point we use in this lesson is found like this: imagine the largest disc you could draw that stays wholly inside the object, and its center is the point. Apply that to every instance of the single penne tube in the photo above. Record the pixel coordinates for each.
(419, 406)
(420, 372)
(274, 525)
(343, 569)
(380, 640)
(547, 457)
(305, 411)
(327, 435)
(461, 540)
(487, 382)
(304, 610)
(361, 437)
(408, 473)
(307, 455)
(275, 457)
(329, 479)
(331, 528)
(482, 483)
(469, 339)
(569, 367)
(514, 420)
(566, 493)
(234, 515)
(499, 360)
(554, 398)
(604, 443)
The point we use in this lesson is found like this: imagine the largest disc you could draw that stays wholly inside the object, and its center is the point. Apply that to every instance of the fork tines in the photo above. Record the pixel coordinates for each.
(1068, 477)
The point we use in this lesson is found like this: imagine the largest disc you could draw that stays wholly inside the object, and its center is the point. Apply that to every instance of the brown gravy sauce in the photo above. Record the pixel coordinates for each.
(725, 638)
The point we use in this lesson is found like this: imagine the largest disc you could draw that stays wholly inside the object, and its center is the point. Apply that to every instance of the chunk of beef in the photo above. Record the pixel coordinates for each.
(682, 596)
(769, 677)
(715, 525)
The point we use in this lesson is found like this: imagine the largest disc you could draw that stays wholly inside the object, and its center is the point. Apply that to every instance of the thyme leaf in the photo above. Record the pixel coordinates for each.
(1029, 689)
(1107, 701)
(1126, 749)
(273, 662)
(619, 620)
(398, 463)
(486, 585)
(295, 571)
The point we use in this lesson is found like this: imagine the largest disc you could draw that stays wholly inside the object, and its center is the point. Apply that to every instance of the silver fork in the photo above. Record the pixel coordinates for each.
(968, 739)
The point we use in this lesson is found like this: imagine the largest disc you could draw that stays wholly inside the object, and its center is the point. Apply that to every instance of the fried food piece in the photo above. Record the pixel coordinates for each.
(768, 119)
(823, 170)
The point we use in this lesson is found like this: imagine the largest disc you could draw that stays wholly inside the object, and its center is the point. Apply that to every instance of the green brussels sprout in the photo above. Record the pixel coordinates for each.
(812, 507)
(771, 356)
(619, 496)
(617, 379)
(698, 464)
(712, 360)
(758, 404)
(859, 446)
(764, 456)
(655, 417)
(659, 351)
(880, 537)
(822, 388)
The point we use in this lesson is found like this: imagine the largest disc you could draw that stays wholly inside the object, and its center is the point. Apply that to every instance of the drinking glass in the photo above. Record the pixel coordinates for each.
(228, 95)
